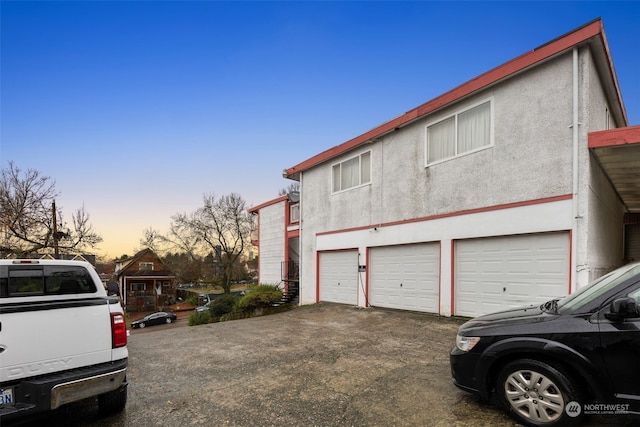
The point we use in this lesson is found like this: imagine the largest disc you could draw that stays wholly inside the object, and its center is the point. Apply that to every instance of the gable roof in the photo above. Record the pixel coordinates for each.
(592, 32)
(127, 264)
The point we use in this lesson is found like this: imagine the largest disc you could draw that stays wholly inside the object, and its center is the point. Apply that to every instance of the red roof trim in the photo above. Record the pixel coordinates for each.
(255, 209)
(612, 71)
(554, 47)
(611, 137)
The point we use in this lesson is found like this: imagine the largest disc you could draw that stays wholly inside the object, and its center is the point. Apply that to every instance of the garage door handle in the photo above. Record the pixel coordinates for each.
(400, 284)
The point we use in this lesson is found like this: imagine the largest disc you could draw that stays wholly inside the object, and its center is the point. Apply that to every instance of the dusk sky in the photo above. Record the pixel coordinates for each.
(136, 109)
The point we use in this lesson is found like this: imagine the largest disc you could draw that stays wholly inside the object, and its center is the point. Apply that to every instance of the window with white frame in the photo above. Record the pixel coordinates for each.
(138, 286)
(352, 172)
(145, 266)
(461, 133)
(294, 213)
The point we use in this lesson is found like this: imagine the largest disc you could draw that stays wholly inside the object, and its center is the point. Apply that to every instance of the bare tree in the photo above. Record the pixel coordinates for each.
(152, 239)
(291, 188)
(30, 222)
(182, 237)
(222, 227)
(177, 251)
(184, 267)
(82, 235)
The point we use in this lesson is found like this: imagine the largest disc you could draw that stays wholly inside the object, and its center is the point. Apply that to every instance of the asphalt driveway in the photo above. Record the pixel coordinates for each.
(321, 365)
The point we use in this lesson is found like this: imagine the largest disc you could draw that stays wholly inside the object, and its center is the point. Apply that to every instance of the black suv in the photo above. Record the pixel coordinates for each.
(550, 364)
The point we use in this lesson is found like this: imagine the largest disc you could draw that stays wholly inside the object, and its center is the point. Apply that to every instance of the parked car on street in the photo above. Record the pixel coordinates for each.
(158, 318)
(550, 364)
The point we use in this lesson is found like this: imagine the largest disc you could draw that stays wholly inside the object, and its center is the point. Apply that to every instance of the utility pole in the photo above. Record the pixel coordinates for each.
(55, 231)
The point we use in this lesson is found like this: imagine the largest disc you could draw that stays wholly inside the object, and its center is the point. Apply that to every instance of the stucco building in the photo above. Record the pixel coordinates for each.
(278, 239)
(512, 188)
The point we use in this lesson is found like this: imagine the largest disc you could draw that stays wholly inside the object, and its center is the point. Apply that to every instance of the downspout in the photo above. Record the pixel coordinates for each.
(300, 254)
(575, 138)
(284, 267)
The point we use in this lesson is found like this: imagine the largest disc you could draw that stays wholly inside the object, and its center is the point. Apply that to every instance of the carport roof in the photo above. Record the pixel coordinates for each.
(618, 151)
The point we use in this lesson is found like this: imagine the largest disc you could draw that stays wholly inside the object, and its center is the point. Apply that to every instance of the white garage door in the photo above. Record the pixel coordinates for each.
(405, 277)
(339, 277)
(497, 273)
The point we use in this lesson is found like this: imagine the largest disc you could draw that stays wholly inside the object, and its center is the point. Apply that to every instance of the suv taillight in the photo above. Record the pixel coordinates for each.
(118, 330)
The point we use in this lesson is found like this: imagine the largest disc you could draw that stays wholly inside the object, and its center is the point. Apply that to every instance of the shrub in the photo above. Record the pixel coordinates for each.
(235, 315)
(260, 297)
(192, 299)
(199, 318)
(222, 305)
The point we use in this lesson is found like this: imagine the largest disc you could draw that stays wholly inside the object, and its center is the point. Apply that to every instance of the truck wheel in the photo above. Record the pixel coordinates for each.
(112, 402)
(537, 394)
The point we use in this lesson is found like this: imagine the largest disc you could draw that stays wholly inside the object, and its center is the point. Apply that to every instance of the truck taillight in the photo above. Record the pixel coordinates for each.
(118, 330)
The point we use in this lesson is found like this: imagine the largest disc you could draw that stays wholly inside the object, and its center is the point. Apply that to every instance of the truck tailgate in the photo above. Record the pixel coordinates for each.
(68, 334)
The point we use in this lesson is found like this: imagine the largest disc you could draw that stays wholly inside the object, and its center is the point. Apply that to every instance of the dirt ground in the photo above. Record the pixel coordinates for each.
(321, 365)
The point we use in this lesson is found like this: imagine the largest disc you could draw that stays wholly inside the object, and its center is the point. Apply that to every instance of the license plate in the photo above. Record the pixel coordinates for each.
(6, 396)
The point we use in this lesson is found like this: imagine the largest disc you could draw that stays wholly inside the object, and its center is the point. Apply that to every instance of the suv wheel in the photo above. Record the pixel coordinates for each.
(536, 394)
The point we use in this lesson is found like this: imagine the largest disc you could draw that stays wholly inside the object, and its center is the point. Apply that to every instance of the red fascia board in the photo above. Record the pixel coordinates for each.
(352, 143)
(514, 66)
(613, 137)
(507, 69)
(255, 209)
(612, 71)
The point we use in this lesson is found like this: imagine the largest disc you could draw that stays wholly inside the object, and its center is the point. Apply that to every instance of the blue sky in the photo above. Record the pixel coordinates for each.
(137, 109)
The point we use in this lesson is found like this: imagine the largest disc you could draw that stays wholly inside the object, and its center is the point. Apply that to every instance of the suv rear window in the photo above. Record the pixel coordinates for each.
(21, 281)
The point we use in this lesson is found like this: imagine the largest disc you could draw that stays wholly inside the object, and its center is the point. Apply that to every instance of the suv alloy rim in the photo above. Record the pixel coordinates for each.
(534, 396)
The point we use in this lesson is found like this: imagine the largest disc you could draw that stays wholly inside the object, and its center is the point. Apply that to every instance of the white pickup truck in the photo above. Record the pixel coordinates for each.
(62, 339)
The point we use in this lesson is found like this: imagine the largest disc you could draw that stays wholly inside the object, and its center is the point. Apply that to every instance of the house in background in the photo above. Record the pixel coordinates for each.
(278, 241)
(145, 283)
(513, 188)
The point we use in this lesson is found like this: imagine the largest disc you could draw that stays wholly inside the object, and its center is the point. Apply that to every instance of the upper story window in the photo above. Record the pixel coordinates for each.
(145, 266)
(352, 172)
(294, 213)
(461, 133)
